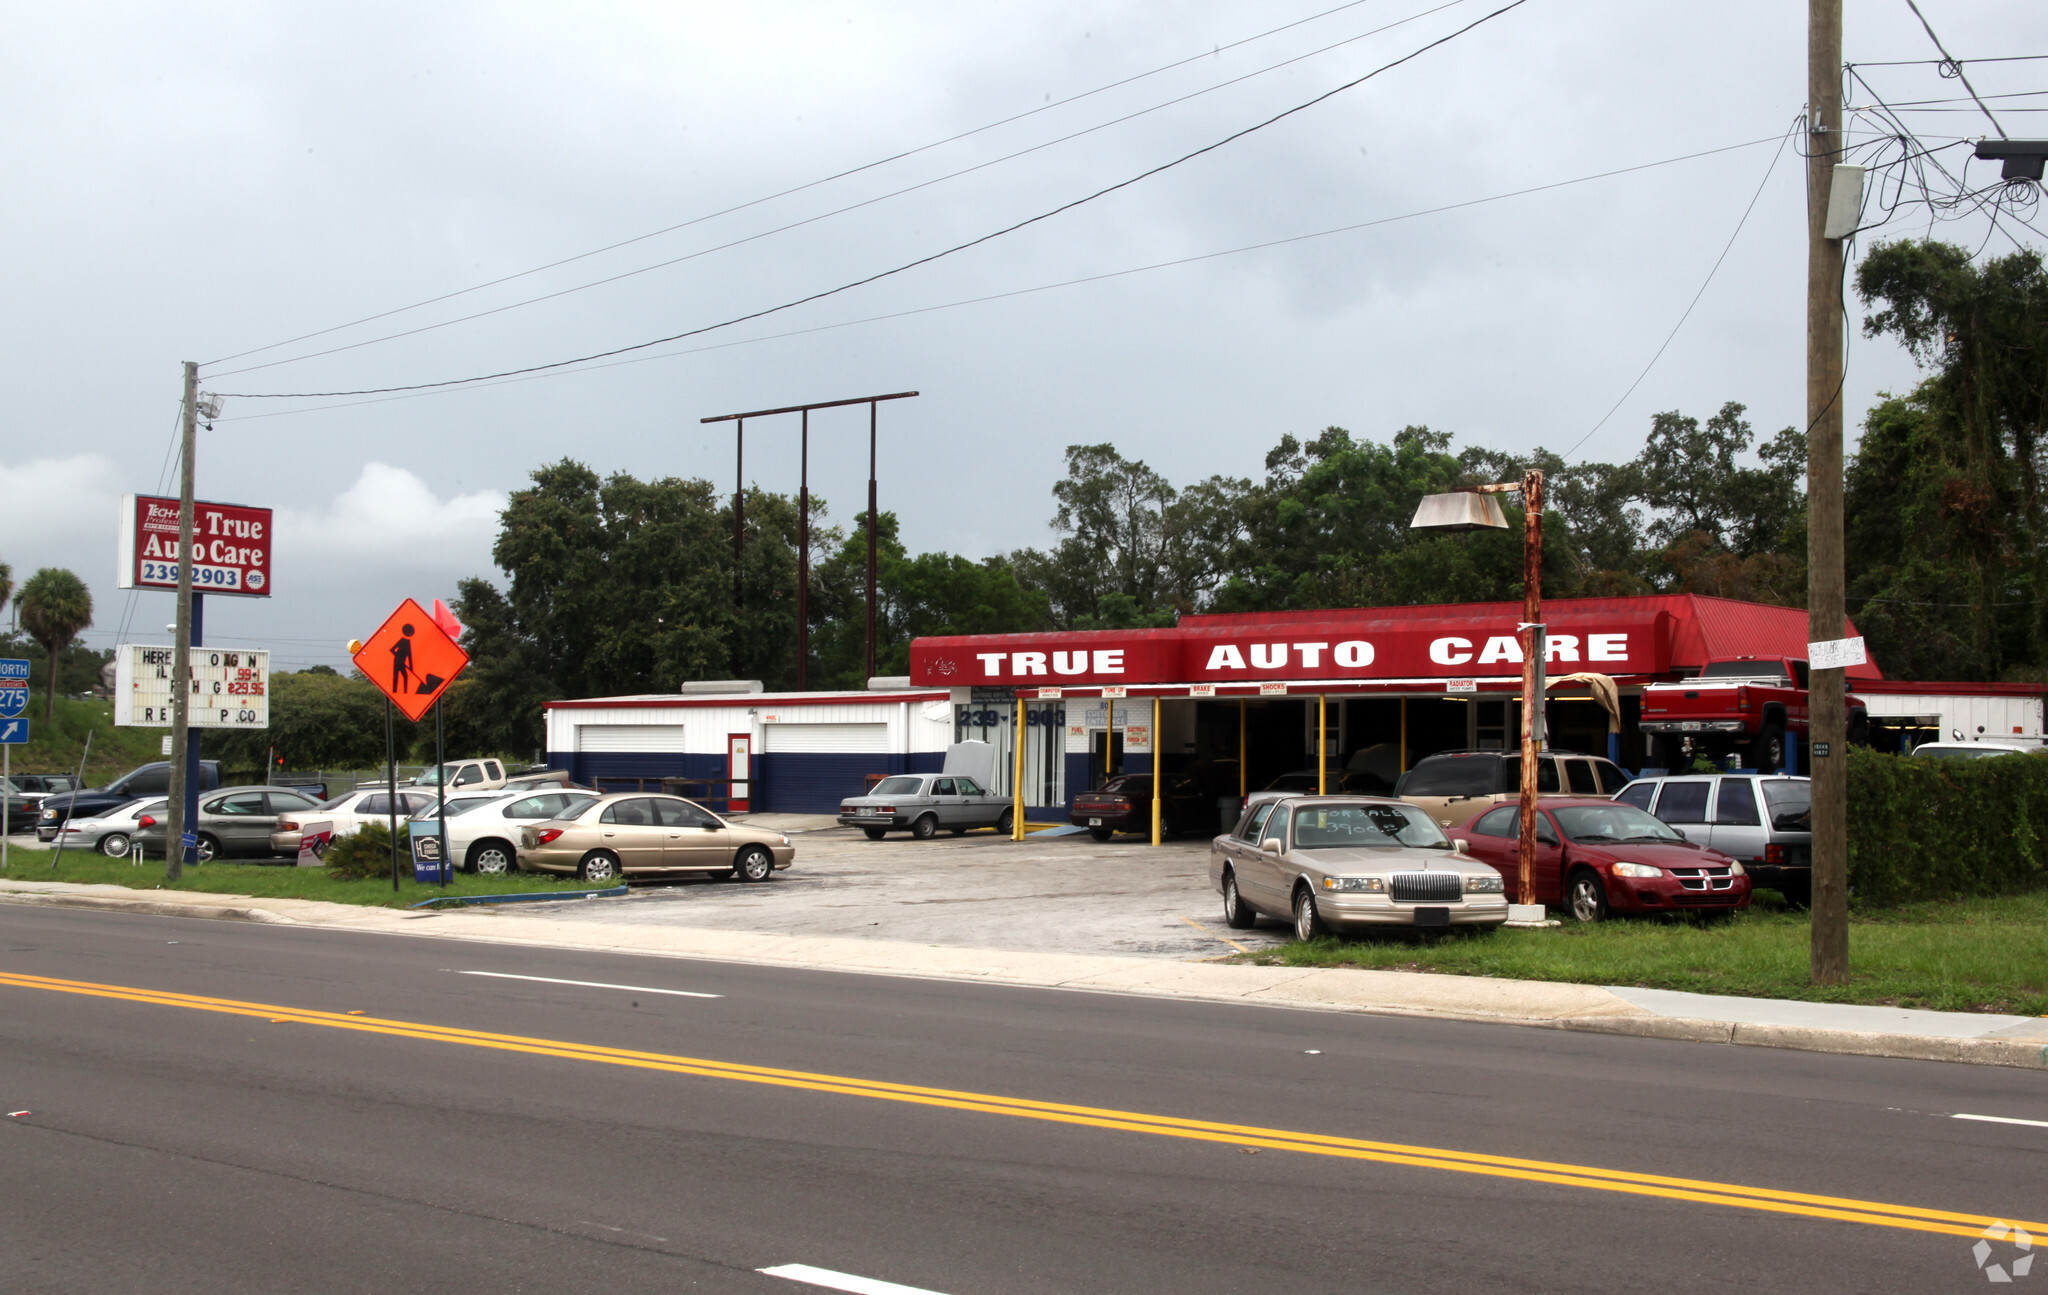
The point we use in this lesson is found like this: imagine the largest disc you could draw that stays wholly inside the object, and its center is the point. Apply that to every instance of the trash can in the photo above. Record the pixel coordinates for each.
(427, 863)
(1228, 810)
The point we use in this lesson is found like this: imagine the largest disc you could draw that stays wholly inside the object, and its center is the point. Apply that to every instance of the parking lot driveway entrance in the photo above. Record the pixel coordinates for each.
(1064, 894)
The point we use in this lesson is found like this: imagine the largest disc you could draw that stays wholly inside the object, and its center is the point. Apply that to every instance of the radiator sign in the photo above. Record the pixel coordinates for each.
(230, 547)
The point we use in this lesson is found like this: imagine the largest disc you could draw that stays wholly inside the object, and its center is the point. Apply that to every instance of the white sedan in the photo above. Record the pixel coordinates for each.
(482, 829)
(109, 833)
(347, 813)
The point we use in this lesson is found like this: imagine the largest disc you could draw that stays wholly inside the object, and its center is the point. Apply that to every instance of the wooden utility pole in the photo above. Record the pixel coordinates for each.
(1533, 647)
(175, 824)
(1826, 619)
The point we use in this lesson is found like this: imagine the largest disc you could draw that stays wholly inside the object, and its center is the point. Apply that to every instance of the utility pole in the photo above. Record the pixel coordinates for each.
(176, 823)
(1826, 618)
(869, 668)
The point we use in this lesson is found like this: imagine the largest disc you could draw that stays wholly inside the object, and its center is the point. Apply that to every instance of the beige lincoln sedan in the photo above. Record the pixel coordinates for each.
(627, 834)
(1344, 863)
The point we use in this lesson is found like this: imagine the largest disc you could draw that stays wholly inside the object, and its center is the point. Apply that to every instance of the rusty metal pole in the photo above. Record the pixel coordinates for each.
(871, 541)
(803, 560)
(1532, 614)
(1826, 619)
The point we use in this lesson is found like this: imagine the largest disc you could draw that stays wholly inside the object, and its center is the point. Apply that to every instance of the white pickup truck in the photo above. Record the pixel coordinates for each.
(488, 775)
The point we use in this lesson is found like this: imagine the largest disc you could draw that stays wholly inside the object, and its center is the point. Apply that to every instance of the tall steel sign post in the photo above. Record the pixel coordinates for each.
(13, 732)
(412, 658)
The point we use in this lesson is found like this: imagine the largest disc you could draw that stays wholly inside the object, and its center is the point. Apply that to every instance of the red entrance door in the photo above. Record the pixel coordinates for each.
(739, 750)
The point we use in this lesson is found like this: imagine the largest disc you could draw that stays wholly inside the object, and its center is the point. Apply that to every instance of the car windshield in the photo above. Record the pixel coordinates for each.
(338, 801)
(1462, 775)
(1962, 752)
(1605, 824)
(457, 808)
(1339, 827)
(1791, 804)
(898, 787)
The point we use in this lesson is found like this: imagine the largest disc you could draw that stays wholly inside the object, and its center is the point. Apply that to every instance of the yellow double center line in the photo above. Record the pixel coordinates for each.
(1845, 1210)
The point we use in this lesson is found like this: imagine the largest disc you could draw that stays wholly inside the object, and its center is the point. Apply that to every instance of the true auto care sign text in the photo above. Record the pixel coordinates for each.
(230, 547)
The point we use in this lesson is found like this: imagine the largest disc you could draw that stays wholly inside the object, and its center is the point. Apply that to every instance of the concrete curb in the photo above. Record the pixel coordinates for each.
(1475, 1000)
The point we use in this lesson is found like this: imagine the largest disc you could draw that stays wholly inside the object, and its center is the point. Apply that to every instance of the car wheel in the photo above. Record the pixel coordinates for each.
(1237, 915)
(1585, 898)
(490, 858)
(114, 845)
(875, 833)
(1006, 823)
(924, 829)
(1308, 923)
(1767, 753)
(1101, 833)
(599, 865)
(754, 864)
(208, 848)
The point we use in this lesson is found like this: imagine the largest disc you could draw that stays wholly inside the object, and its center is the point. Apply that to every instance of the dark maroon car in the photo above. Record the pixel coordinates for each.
(1594, 857)
(1124, 804)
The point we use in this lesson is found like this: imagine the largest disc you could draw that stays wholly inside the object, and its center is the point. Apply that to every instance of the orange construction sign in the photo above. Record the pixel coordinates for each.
(412, 659)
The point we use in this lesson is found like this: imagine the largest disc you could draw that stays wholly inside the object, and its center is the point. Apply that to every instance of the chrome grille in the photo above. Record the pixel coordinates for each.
(1705, 879)
(1425, 887)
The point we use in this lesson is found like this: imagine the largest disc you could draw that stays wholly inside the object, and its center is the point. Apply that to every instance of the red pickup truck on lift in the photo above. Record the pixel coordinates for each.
(1752, 704)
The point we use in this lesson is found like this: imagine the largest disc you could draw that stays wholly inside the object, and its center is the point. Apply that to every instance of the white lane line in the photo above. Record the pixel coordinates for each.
(842, 1281)
(590, 984)
(2002, 1119)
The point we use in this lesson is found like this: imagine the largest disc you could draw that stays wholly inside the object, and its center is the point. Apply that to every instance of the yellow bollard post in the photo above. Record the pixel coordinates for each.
(1158, 779)
(1017, 781)
(1108, 737)
(1322, 745)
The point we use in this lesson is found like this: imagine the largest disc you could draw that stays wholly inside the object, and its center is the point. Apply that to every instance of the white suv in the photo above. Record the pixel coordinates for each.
(1764, 820)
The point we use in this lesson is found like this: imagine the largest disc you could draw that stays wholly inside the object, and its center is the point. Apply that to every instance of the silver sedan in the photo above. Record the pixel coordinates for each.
(1346, 863)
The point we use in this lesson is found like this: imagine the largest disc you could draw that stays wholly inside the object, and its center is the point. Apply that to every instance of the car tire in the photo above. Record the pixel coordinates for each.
(925, 828)
(875, 833)
(492, 858)
(1101, 833)
(754, 865)
(1006, 822)
(209, 848)
(114, 845)
(1585, 897)
(1308, 920)
(1767, 752)
(1237, 915)
(600, 865)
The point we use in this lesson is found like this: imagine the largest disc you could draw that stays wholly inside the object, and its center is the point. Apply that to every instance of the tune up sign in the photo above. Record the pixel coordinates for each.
(230, 547)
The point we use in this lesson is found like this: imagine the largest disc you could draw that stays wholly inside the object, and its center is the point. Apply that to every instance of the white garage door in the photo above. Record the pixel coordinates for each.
(869, 739)
(630, 737)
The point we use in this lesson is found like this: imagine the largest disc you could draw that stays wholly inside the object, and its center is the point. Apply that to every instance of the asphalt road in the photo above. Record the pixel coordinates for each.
(173, 1145)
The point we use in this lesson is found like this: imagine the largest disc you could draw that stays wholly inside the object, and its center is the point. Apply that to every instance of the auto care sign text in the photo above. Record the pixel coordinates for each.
(230, 547)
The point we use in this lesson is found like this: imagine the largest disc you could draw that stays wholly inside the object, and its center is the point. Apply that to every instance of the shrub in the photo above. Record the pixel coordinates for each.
(1941, 829)
(364, 853)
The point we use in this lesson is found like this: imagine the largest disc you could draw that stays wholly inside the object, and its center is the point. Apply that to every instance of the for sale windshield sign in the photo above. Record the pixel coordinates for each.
(230, 547)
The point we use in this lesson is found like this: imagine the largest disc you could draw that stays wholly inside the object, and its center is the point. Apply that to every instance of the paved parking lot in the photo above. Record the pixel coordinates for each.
(1065, 894)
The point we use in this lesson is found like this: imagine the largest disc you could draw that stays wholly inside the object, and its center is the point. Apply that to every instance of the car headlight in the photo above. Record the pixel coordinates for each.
(1735, 868)
(1637, 870)
(1484, 885)
(1377, 885)
(783, 839)
(50, 814)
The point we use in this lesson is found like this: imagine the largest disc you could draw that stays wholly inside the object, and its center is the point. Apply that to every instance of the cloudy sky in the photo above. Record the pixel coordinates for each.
(201, 181)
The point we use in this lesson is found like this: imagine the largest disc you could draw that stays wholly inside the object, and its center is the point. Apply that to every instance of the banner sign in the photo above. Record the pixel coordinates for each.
(1835, 654)
(230, 689)
(230, 547)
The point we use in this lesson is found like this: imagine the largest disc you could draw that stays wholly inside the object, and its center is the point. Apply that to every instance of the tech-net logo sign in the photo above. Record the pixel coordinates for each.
(2003, 1262)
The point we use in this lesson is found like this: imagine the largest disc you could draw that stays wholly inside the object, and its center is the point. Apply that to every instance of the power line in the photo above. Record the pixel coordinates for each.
(1960, 74)
(838, 211)
(811, 184)
(908, 265)
(1946, 61)
(1711, 272)
(1046, 287)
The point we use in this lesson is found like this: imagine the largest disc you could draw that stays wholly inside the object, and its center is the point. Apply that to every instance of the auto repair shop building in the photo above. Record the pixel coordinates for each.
(1244, 697)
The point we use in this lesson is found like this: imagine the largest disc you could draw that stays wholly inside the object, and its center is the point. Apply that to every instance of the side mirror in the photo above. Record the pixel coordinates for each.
(1271, 845)
(1458, 847)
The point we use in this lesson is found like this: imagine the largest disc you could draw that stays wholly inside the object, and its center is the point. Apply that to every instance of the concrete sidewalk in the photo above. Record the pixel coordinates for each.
(1703, 1018)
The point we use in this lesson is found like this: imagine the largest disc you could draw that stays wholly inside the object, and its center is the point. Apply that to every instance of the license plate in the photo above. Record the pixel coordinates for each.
(1432, 917)
(1095, 822)
(1689, 726)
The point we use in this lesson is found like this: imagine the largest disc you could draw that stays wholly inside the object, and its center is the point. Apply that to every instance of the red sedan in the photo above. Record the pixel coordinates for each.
(1594, 857)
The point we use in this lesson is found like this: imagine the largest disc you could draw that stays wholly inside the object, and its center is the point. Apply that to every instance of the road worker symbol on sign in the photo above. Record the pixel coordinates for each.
(411, 659)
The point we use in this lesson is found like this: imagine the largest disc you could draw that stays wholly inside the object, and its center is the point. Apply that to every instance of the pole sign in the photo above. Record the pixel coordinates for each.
(230, 547)
(13, 732)
(13, 687)
(230, 689)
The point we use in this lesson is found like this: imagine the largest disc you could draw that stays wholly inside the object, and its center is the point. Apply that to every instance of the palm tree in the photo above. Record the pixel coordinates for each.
(6, 584)
(54, 606)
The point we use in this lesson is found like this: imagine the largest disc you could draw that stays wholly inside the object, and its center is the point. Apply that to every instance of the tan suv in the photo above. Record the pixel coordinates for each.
(1457, 786)
(627, 833)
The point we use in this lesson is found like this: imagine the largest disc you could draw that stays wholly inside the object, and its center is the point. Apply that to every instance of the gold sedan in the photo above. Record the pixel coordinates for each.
(1349, 863)
(630, 834)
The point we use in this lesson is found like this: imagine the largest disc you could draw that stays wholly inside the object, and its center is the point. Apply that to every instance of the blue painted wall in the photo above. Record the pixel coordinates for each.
(785, 782)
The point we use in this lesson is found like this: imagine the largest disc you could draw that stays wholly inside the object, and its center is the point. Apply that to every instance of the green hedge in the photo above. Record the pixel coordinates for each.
(1938, 829)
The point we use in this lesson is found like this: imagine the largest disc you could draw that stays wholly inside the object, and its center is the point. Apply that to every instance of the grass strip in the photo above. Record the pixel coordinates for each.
(270, 881)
